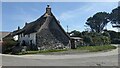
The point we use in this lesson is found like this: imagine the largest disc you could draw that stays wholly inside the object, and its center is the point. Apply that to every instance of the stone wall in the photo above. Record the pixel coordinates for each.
(52, 37)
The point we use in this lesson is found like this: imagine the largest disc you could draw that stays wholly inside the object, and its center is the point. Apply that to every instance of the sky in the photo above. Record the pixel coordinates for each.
(71, 14)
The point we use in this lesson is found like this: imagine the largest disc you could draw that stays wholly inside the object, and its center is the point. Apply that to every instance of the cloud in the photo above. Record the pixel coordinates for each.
(74, 13)
(109, 27)
(23, 15)
(88, 8)
(77, 17)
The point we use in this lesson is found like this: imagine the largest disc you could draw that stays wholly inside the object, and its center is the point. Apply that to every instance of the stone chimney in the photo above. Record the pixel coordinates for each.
(48, 10)
(18, 27)
(26, 23)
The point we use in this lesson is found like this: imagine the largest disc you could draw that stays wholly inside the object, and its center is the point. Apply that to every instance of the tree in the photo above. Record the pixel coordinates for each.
(87, 40)
(106, 34)
(115, 16)
(76, 33)
(114, 37)
(105, 40)
(98, 21)
(113, 34)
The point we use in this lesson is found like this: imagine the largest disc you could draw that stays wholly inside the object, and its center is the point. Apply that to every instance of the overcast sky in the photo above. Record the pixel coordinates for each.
(73, 14)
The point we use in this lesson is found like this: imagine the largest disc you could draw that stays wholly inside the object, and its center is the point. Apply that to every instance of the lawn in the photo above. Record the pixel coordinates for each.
(78, 50)
(42, 51)
(97, 48)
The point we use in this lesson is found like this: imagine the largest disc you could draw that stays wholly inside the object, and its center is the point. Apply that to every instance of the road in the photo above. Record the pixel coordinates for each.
(89, 59)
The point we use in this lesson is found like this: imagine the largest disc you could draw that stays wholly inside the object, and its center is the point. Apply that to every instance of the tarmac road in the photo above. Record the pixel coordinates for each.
(89, 59)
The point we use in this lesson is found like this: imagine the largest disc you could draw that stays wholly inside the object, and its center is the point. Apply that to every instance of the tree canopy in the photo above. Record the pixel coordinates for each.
(115, 16)
(98, 21)
(76, 33)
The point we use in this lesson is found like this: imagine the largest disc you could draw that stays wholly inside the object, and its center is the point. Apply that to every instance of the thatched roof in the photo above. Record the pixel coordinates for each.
(3, 34)
(33, 26)
(36, 25)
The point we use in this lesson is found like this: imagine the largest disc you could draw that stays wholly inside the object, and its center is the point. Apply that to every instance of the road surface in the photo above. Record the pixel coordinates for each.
(88, 59)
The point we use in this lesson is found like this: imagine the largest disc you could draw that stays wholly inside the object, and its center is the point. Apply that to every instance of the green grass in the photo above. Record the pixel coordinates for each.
(97, 48)
(82, 48)
(42, 51)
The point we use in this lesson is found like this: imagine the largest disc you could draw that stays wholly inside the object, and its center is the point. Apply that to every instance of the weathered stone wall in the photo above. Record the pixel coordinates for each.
(52, 37)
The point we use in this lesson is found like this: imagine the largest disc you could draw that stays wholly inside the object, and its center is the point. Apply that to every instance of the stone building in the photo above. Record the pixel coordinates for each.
(76, 42)
(43, 33)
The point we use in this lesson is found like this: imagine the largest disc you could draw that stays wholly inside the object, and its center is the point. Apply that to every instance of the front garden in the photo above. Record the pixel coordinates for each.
(79, 50)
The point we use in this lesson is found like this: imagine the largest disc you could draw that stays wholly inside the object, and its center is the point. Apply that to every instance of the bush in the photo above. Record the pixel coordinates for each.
(106, 40)
(97, 40)
(115, 41)
(7, 45)
(94, 38)
(87, 40)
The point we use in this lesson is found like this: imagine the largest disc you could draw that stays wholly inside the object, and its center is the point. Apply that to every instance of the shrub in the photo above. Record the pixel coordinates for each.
(7, 45)
(96, 40)
(93, 38)
(105, 39)
(87, 40)
(115, 41)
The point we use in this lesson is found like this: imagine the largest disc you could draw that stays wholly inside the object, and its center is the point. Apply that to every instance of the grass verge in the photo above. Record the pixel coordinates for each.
(97, 48)
(42, 51)
(82, 48)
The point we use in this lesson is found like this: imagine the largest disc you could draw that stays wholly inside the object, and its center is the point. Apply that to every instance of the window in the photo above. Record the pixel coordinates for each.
(21, 35)
(24, 35)
(28, 35)
(30, 42)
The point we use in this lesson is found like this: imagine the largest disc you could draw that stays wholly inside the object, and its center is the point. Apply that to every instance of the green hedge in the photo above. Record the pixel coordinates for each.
(93, 39)
(7, 45)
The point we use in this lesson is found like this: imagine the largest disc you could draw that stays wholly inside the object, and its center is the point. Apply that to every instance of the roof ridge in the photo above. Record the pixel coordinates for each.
(60, 26)
(46, 23)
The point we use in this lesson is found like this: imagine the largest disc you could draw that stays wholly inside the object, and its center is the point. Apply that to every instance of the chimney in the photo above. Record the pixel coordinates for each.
(48, 10)
(26, 23)
(18, 27)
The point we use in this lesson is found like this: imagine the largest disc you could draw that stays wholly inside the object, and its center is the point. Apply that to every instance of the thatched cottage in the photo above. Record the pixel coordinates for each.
(43, 33)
